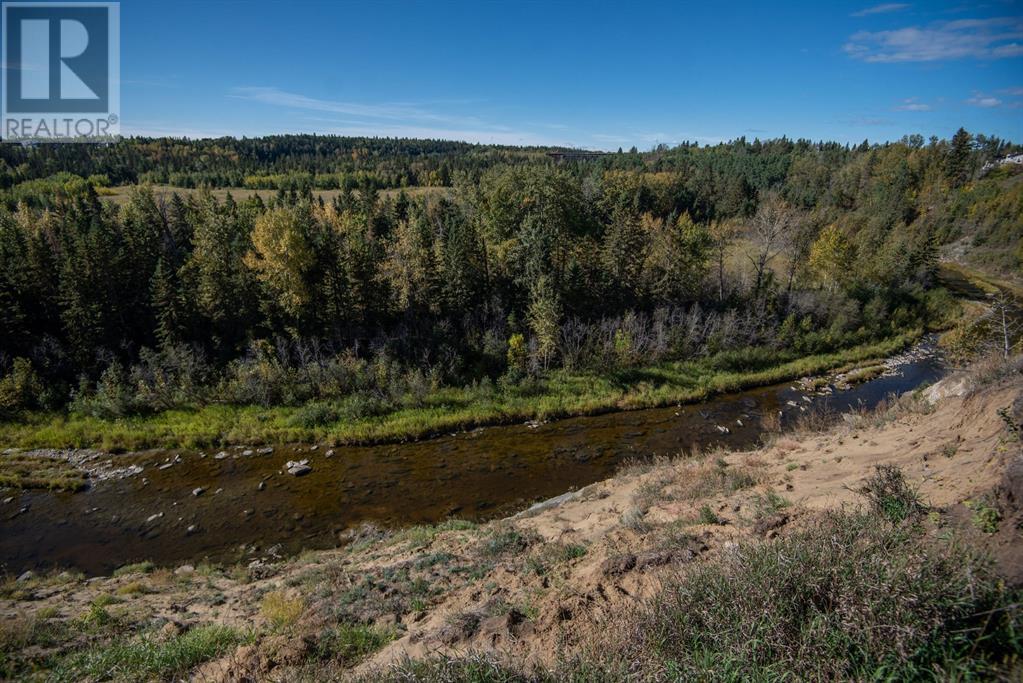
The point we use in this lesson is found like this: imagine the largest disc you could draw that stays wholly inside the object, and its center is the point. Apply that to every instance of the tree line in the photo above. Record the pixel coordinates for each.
(749, 252)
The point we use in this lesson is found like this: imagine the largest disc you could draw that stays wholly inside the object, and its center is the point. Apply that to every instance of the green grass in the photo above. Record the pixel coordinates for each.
(560, 394)
(350, 643)
(145, 657)
(137, 568)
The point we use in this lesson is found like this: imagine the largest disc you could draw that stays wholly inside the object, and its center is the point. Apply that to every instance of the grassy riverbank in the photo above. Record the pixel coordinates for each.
(560, 394)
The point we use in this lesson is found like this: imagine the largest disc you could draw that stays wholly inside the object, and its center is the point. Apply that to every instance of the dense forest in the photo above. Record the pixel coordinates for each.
(744, 252)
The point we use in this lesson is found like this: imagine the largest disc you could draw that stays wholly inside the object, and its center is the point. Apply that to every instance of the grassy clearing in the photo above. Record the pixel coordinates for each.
(38, 472)
(561, 394)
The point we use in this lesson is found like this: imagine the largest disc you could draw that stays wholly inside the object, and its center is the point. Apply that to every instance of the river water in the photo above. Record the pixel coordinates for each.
(251, 508)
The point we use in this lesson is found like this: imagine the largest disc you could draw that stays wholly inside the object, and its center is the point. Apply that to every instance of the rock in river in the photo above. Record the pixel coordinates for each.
(298, 468)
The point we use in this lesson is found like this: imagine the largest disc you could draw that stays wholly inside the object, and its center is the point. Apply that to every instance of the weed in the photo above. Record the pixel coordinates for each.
(132, 588)
(634, 520)
(849, 597)
(985, 515)
(708, 516)
(40, 472)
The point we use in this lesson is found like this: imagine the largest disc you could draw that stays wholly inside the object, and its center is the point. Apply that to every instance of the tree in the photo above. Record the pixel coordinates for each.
(958, 165)
(830, 257)
(463, 262)
(168, 306)
(769, 229)
(623, 252)
(678, 259)
(722, 235)
(282, 257)
(224, 288)
(544, 319)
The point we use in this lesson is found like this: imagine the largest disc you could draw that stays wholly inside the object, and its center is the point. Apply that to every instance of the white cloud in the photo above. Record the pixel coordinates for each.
(979, 100)
(912, 104)
(881, 9)
(960, 39)
(1014, 92)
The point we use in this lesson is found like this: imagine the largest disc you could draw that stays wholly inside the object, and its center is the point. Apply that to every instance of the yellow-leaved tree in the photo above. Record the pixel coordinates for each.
(831, 257)
(281, 257)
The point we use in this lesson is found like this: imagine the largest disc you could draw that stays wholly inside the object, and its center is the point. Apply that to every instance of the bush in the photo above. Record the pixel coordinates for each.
(889, 494)
(20, 389)
(313, 415)
(112, 399)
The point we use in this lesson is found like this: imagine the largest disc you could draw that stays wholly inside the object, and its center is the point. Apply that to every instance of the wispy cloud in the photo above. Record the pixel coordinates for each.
(986, 101)
(869, 121)
(390, 119)
(912, 104)
(389, 111)
(1012, 92)
(964, 38)
(881, 9)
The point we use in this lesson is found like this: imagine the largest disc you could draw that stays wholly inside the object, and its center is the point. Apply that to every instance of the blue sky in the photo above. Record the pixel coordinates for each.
(594, 75)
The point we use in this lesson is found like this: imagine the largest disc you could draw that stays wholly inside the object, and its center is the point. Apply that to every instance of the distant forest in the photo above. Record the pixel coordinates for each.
(747, 250)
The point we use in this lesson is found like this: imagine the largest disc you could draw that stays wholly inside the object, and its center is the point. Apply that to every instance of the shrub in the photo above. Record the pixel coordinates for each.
(888, 494)
(985, 516)
(20, 389)
(313, 415)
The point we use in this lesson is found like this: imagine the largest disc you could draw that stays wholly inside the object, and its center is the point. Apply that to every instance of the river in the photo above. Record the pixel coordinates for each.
(250, 508)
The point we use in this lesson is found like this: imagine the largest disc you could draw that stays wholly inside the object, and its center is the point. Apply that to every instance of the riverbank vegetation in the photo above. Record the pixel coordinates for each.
(365, 418)
(529, 290)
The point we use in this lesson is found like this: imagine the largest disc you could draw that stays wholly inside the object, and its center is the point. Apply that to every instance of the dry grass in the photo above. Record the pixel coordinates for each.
(282, 609)
(713, 477)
